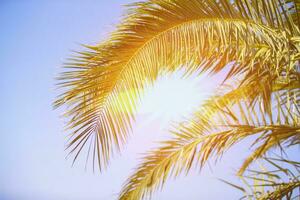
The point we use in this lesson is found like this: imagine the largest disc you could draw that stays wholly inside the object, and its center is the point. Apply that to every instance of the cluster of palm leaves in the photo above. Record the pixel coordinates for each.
(258, 41)
(278, 180)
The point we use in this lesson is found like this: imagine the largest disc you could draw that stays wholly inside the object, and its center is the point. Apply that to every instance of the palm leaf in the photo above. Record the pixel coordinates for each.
(222, 122)
(277, 182)
(195, 34)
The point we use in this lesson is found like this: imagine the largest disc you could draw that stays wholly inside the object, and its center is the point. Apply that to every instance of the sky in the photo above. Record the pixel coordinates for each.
(36, 38)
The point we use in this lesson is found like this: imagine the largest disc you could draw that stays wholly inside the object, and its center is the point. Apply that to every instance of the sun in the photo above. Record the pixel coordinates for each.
(173, 97)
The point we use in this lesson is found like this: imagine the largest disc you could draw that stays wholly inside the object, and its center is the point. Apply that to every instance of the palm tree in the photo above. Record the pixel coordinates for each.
(258, 40)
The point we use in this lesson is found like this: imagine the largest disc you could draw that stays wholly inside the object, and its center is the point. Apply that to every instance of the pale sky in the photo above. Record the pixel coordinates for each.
(36, 38)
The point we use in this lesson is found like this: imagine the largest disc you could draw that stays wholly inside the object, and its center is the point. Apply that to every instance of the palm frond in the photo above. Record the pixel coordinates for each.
(216, 128)
(283, 190)
(222, 122)
(158, 36)
(278, 180)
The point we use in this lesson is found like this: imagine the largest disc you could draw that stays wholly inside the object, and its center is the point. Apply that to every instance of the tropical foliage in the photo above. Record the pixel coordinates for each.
(257, 40)
(279, 180)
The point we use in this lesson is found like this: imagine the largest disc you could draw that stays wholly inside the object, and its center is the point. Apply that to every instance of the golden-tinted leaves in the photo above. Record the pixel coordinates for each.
(159, 36)
(221, 123)
(275, 178)
(260, 40)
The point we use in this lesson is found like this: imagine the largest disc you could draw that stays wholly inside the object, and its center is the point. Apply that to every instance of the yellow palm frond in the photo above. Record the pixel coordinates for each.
(277, 181)
(281, 183)
(282, 191)
(158, 36)
(223, 122)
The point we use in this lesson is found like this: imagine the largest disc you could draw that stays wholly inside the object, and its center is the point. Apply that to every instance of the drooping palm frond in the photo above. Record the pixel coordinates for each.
(222, 122)
(281, 188)
(274, 178)
(159, 35)
(171, 160)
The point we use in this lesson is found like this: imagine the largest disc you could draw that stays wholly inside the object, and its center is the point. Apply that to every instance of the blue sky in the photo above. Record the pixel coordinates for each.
(36, 38)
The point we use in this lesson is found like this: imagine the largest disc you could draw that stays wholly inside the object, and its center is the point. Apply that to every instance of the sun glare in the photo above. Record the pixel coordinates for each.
(172, 97)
